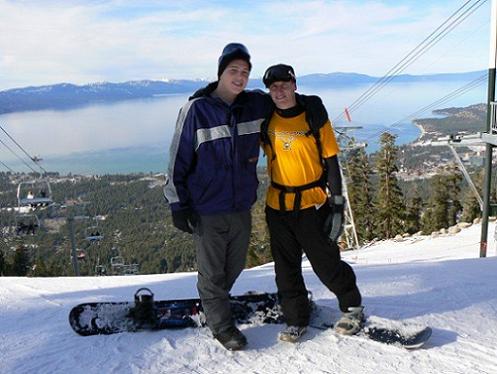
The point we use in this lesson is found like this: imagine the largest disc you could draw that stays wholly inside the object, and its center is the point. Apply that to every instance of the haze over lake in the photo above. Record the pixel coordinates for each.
(134, 136)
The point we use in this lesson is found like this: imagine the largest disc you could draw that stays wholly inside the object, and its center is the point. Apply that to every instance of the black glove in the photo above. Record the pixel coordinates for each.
(184, 220)
(333, 224)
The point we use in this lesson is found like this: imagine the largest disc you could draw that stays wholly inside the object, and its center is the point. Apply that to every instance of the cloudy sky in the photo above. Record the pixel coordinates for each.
(45, 42)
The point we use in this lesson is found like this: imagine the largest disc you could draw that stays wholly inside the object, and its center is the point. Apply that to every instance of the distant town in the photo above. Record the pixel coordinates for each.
(430, 154)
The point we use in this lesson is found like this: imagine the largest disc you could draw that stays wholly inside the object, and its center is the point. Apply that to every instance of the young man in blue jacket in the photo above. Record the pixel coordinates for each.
(212, 182)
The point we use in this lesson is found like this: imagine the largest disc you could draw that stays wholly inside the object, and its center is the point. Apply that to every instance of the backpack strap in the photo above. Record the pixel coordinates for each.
(316, 117)
(297, 190)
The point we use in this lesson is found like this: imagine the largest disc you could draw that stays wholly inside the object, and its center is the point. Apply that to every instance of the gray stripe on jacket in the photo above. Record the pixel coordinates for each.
(170, 192)
(250, 127)
(223, 131)
(212, 133)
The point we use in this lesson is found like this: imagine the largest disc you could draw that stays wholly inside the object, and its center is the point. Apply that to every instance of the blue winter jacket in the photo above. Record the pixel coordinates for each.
(214, 153)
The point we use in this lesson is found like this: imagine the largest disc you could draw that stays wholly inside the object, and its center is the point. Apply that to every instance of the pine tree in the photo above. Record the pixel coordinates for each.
(21, 262)
(444, 206)
(389, 204)
(3, 264)
(436, 215)
(163, 265)
(413, 213)
(471, 206)
(259, 251)
(360, 194)
(453, 185)
(40, 269)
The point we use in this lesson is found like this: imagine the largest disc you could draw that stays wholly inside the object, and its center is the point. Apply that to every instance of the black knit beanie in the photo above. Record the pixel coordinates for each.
(232, 51)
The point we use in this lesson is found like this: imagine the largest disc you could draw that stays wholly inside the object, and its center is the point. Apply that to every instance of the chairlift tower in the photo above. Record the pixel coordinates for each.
(488, 138)
(453, 141)
(491, 134)
(349, 231)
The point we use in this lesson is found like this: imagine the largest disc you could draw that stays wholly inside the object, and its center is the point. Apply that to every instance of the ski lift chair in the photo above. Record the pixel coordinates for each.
(93, 234)
(26, 223)
(100, 270)
(117, 261)
(36, 193)
(131, 269)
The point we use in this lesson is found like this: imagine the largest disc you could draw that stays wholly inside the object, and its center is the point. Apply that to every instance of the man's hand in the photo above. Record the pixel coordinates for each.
(184, 220)
(333, 225)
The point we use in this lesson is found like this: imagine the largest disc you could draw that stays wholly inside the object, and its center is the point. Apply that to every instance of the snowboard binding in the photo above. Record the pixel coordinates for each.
(144, 313)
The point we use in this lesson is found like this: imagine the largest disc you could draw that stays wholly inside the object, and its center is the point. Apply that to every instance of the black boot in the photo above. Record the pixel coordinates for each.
(232, 339)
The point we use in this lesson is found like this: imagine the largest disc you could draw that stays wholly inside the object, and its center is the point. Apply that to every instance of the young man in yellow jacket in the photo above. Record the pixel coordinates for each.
(302, 218)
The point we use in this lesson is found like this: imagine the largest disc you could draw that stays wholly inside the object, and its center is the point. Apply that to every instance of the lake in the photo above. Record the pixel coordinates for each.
(134, 136)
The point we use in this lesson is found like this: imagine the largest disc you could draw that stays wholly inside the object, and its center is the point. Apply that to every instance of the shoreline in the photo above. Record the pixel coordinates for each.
(420, 127)
(419, 140)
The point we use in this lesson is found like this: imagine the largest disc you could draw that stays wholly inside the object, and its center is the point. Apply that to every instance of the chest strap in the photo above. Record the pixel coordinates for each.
(297, 190)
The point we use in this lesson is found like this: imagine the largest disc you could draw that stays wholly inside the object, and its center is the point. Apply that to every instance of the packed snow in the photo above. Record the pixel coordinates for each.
(440, 282)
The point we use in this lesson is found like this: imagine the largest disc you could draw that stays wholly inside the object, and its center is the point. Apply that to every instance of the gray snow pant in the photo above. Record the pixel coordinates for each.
(221, 242)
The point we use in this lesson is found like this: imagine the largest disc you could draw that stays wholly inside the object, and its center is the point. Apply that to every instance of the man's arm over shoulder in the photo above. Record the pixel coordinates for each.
(263, 99)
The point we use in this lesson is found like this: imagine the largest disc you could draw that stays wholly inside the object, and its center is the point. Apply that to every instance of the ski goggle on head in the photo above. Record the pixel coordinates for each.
(278, 73)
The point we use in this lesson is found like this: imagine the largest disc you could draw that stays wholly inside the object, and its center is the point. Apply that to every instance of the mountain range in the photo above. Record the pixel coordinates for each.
(67, 95)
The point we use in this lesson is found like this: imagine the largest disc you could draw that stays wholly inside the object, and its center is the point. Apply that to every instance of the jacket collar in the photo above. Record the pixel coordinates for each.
(211, 87)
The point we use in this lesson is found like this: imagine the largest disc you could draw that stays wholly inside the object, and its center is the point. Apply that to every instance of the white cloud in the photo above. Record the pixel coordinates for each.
(47, 42)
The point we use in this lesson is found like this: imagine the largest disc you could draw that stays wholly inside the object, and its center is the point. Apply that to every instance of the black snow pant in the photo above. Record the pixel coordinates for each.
(221, 242)
(302, 231)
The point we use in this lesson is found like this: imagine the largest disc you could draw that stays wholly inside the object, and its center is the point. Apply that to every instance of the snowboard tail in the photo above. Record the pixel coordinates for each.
(393, 332)
(410, 340)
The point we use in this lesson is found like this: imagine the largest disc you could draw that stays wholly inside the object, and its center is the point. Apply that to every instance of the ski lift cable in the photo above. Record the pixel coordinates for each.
(19, 157)
(406, 64)
(406, 61)
(6, 167)
(359, 102)
(393, 69)
(22, 149)
(456, 93)
(471, 36)
(415, 53)
(447, 98)
(439, 102)
(460, 91)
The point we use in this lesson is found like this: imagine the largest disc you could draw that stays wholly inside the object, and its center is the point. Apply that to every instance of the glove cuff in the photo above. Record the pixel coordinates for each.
(337, 200)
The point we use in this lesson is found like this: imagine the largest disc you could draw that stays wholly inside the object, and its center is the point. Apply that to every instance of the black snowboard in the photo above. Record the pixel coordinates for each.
(115, 317)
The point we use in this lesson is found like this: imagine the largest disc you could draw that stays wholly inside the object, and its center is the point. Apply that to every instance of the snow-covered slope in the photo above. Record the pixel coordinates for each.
(440, 282)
